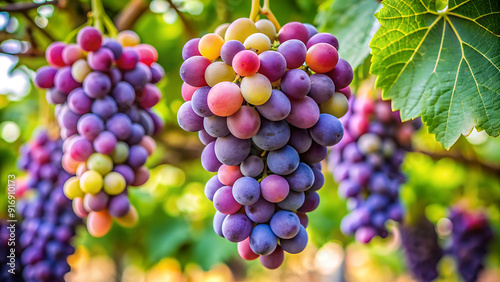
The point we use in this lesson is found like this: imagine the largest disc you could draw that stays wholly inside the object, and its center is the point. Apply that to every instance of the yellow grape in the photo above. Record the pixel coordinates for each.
(221, 29)
(72, 188)
(337, 105)
(267, 27)
(218, 72)
(128, 38)
(240, 29)
(79, 70)
(258, 42)
(91, 182)
(256, 89)
(114, 183)
(99, 223)
(130, 219)
(209, 46)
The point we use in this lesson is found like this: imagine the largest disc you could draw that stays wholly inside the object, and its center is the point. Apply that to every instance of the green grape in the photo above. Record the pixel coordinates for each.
(120, 153)
(337, 105)
(100, 163)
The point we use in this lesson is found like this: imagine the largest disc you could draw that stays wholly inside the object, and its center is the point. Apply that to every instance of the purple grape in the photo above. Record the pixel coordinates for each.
(262, 240)
(294, 52)
(315, 154)
(272, 64)
(104, 108)
(328, 131)
(272, 135)
(236, 227)
(137, 156)
(124, 94)
(295, 83)
(301, 179)
(209, 160)
(114, 46)
(90, 126)
(199, 102)
(300, 139)
(190, 49)
(252, 166)
(188, 119)
(119, 124)
(293, 201)
(231, 150)
(55, 96)
(311, 202)
(322, 88)
(283, 161)
(297, 244)
(216, 126)
(204, 137)
(311, 30)
(64, 82)
(212, 185)
(119, 205)
(45, 77)
(260, 212)
(101, 60)
(78, 102)
(126, 172)
(138, 77)
(246, 190)
(105, 142)
(96, 85)
(218, 221)
(342, 74)
(285, 224)
(276, 108)
(229, 50)
(323, 38)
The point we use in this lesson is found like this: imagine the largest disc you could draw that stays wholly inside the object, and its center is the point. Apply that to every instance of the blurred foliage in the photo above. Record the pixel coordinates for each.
(174, 235)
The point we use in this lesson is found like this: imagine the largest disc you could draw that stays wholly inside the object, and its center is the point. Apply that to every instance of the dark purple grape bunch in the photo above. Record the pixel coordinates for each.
(421, 247)
(367, 166)
(471, 237)
(49, 222)
(104, 89)
(10, 266)
(266, 107)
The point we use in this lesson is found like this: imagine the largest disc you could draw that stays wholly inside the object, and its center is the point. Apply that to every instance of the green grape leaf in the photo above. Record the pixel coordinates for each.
(443, 66)
(352, 22)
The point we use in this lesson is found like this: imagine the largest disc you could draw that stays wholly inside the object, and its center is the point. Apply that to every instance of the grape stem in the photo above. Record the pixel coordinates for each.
(266, 11)
(101, 20)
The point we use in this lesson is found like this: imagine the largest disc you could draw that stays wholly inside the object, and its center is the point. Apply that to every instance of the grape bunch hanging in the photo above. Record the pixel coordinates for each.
(49, 222)
(255, 97)
(367, 166)
(104, 89)
(419, 241)
(471, 237)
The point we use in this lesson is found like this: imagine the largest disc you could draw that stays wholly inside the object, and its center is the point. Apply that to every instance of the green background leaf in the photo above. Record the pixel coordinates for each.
(443, 66)
(352, 23)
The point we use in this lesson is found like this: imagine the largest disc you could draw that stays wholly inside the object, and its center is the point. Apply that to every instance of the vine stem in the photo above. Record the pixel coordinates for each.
(266, 11)
(97, 11)
(255, 10)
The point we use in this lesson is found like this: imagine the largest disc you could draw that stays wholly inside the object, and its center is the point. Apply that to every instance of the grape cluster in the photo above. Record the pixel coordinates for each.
(5, 254)
(367, 166)
(258, 100)
(422, 250)
(104, 90)
(471, 237)
(49, 222)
